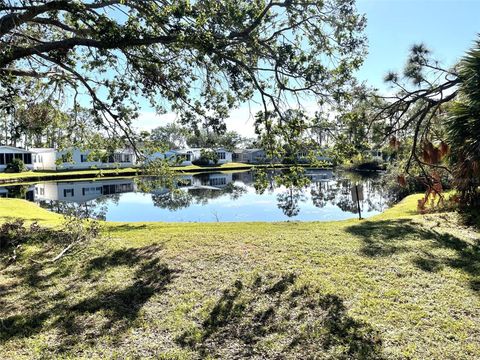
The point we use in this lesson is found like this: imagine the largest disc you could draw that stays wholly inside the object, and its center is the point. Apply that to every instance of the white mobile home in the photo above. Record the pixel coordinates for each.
(77, 159)
(184, 157)
(181, 157)
(8, 153)
(44, 158)
(250, 156)
(224, 156)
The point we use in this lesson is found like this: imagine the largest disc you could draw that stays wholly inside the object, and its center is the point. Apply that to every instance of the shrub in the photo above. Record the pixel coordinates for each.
(74, 234)
(16, 166)
(201, 161)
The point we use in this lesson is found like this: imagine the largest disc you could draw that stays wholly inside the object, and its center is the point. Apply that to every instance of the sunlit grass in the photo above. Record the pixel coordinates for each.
(396, 286)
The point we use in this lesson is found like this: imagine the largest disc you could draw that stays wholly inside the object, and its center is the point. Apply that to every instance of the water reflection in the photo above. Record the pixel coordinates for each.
(208, 197)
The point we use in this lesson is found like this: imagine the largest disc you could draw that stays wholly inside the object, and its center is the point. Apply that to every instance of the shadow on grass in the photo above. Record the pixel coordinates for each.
(109, 311)
(112, 228)
(388, 237)
(273, 318)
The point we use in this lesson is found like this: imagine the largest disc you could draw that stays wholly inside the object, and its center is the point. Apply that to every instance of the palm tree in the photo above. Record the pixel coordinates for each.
(464, 129)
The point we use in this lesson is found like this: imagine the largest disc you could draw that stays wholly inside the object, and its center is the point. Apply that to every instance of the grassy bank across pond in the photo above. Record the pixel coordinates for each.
(6, 178)
(30, 176)
(395, 286)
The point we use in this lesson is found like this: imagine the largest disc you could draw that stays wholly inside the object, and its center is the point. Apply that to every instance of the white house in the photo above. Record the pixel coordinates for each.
(304, 155)
(77, 159)
(44, 158)
(184, 157)
(8, 153)
(250, 156)
(224, 156)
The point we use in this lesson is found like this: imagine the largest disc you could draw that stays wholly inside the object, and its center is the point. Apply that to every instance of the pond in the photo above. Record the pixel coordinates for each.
(210, 197)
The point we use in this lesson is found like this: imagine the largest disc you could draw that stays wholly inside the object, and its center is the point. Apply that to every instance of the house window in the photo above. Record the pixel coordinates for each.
(42, 191)
(8, 158)
(65, 158)
(221, 155)
(68, 193)
(218, 181)
(84, 158)
(91, 191)
(2, 159)
(19, 156)
(27, 158)
(127, 158)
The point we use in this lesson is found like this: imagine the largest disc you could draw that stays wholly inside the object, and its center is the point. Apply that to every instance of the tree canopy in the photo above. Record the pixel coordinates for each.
(434, 112)
(198, 58)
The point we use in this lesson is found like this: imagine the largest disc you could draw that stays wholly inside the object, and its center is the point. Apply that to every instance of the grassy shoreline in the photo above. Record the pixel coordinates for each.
(395, 286)
(8, 178)
(31, 176)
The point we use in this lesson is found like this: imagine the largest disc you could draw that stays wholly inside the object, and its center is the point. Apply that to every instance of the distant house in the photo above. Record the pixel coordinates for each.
(44, 158)
(376, 155)
(304, 155)
(184, 157)
(77, 159)
(224, 156)
(181, 157)
(250, 156)
(8, 153)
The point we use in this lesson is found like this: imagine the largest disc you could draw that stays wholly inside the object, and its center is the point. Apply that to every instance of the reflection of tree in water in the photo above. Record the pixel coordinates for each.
(172, 200)
(321, 194)
(202, 196)
(288, 201)
(178, 199)
(338, 193)
(19, 192)
(94, 209)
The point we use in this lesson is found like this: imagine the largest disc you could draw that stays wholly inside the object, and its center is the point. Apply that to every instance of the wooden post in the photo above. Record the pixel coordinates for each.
(358, 202)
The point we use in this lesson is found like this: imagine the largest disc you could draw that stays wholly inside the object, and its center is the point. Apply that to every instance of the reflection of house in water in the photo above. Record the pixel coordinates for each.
(82, 191)
(319, 175)
(246, 177)
(18, 192)
(213, 180)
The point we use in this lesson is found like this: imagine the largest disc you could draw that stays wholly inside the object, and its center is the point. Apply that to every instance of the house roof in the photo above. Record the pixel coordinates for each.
(12, 148)
(42, 150)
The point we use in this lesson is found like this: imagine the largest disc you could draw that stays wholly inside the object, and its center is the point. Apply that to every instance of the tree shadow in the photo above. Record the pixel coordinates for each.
(111, 311)
(388, 237)
(123, 227)
(273, 318)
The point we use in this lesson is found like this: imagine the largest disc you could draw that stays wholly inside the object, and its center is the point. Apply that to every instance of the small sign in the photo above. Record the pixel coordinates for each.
(357, 189)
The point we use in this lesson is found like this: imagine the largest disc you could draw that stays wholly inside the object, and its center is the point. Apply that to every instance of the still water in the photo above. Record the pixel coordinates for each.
(212, 197)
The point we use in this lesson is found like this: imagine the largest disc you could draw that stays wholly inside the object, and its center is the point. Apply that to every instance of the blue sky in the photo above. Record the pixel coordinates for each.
(447, 27)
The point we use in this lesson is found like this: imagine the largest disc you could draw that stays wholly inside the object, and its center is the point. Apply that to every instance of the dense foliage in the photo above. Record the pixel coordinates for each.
(15, 166)
(464, 129)
(431, 122)
(196, 58)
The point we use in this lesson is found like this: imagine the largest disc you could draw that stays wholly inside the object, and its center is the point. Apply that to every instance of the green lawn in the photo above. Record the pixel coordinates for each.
(33, 175)
(397, 286)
